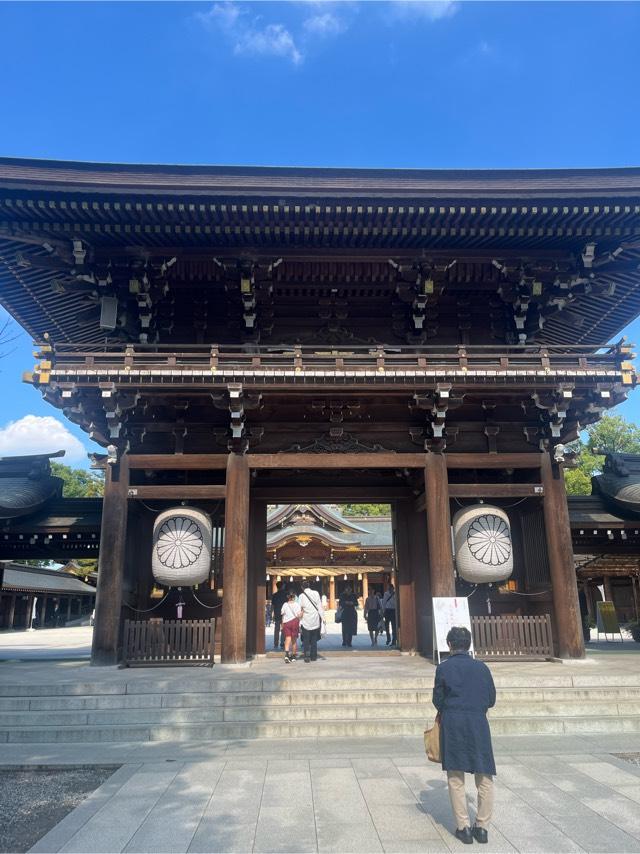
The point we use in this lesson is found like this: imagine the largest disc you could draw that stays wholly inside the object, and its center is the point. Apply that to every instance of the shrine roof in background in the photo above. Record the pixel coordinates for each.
(39, 579)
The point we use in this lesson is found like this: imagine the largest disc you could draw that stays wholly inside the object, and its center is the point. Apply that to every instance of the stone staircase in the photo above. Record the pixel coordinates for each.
(206, 707)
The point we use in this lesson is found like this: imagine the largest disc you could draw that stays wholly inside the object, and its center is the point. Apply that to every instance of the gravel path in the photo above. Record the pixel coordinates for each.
(32, 802)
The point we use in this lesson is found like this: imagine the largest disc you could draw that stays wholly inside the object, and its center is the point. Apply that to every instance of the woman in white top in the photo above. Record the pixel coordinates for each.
(290, 627)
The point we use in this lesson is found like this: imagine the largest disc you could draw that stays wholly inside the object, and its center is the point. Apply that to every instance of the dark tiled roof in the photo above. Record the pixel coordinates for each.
(36, 579)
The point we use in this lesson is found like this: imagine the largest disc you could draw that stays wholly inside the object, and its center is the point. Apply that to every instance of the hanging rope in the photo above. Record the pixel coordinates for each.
(209, 607)
(516, 593)
(147, 610)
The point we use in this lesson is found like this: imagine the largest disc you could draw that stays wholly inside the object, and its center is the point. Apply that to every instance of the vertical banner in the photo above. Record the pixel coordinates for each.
(607, 620)
(447, 613)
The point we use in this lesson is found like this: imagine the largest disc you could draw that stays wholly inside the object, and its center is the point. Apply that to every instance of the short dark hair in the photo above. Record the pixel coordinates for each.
(459, 638)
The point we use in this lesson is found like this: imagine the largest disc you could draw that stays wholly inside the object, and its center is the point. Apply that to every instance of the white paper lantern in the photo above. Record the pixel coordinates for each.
(181, 547)
(482, 538)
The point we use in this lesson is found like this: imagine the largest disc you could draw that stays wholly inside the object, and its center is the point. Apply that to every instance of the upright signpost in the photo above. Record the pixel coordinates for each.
(448, 612)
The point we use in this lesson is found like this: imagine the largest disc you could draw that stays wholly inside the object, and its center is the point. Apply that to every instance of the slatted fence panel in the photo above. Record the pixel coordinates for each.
(513, 637)
(148, 642)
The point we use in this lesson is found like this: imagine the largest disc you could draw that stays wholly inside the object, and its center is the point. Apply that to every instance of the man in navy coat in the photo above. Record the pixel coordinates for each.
(462, 693)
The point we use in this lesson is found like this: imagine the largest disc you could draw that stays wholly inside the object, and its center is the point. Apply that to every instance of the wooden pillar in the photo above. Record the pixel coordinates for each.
(586, 586)
(436, 484)
(113, 537)
(608, 592)
(274, 583)
(236, 529)
(332, 592)
(44, 601)
(636, 603)
(12, 611)
(365, 588)
(27, 618)
(405, 598)
(564, 583)
(69, 603)
(256, 596)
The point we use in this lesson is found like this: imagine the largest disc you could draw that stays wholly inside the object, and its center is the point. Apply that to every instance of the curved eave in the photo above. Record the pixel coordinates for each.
(33, 174)
(329, 538)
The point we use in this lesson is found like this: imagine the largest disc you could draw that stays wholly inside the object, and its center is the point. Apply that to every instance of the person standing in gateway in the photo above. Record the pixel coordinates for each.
(310, 605)
(462, 693)
(277, 601)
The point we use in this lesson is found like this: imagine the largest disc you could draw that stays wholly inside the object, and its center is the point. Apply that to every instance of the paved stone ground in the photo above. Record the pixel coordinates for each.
(34, 801)
(335, 795)
(46, 644)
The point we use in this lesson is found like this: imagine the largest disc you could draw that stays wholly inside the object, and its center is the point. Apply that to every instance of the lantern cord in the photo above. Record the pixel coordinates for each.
(508, 507)
(146, 610)
(209, 607)
(517, 593)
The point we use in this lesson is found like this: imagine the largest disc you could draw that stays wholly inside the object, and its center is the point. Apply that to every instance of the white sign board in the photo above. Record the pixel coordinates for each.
(447, 613)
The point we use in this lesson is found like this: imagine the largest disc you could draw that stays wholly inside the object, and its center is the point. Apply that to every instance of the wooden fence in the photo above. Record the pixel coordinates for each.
(151, 642)
(513, 637)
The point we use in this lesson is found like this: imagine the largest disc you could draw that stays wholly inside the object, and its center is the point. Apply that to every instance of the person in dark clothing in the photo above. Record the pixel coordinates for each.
(462, 694)
(277, 601)
(389, 611)
(348, 602)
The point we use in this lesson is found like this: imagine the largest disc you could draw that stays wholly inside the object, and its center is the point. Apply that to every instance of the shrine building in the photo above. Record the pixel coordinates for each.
(243, 338)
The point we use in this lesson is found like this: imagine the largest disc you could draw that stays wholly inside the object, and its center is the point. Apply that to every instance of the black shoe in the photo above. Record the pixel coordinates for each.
(480, 834)
(465, 836)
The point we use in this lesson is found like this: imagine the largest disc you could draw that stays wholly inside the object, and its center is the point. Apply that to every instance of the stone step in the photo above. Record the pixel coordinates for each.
(303, 729)
(207, 684)
(318, 711)
(301, 698)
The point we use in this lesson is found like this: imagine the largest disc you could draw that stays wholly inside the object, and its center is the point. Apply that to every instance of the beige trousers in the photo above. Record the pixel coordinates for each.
(484, 785)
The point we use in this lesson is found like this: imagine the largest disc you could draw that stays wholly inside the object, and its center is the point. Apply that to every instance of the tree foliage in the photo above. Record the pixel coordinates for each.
(365, 509)
(79, 483)
(612, 434)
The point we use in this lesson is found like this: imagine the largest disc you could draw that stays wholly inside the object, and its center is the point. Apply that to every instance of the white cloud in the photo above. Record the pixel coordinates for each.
(36, 434)
(427, 10)
(249, 36)
(274, 40)
(326, 24)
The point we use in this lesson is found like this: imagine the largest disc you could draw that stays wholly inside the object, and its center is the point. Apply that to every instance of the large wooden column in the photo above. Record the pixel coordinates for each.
(256, 595)
(436, 485)
(236, 531)
(405, 597)
(570, 638)
(332, 593)
(113, 536)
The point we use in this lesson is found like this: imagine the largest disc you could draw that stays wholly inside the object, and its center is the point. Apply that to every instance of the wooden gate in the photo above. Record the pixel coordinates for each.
(513, 637)
(151, 642)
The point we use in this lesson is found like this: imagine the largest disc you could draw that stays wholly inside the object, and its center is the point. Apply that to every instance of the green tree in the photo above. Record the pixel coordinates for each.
(79, 483)
(612, 434)
(365, 509)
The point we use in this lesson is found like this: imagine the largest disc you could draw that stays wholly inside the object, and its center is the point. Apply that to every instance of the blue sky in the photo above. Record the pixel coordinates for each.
(395, 84)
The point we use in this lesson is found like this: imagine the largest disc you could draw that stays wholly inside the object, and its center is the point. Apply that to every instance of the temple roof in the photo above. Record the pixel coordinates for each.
(327, 214)
(26, 484)
(39, 579)
(325, 523)
(29, 173)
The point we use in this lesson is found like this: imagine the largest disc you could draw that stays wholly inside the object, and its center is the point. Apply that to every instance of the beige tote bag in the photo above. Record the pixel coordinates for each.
(432, 742)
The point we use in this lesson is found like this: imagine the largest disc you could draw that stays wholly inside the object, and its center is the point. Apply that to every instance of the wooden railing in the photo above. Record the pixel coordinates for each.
(513, 637)
(162, 642)
(357, 358)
